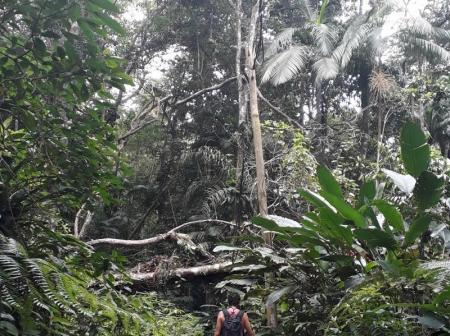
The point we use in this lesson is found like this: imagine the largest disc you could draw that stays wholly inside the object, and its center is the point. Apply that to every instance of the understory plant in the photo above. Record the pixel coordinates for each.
(361, 267)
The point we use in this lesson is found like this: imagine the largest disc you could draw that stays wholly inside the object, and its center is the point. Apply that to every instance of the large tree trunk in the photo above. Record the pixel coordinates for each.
(257, 135)
(242, 120)
(250, 57)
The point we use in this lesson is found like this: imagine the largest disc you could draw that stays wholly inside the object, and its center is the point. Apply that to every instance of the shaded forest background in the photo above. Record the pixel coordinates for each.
(132, 183)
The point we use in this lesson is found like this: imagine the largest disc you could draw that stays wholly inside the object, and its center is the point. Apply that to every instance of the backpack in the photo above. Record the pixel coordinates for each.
(233, 324)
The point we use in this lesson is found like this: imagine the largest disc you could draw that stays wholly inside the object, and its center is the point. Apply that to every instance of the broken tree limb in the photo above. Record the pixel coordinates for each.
(86, 225)
(76, 225)
(182, 239)
(172, 234)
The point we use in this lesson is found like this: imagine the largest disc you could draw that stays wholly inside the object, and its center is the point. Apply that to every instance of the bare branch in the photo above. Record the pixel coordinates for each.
(146, 108)
(76, 229)
(278, 110)
(199, 93)
(86, 225)
(135, 130)
(182, 239)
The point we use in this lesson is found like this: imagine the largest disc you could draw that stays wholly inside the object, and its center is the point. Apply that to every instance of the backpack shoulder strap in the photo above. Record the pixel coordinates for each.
(241, 314)
(225, 313)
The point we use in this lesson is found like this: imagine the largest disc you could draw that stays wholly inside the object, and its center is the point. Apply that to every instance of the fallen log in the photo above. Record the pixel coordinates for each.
(185, 272)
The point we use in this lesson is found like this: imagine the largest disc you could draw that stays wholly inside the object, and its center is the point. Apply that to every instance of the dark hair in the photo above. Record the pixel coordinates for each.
(234, 299)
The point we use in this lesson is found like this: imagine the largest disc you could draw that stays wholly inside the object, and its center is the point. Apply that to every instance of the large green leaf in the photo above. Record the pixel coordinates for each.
(317, 200)
(111, 23)
(367, 192)
(428, 190)
(419, 226)
(87, 30)
(106, 4)
(345, 209)
(376, 238)
(392, 215)
(267, 224)
(328, 182)
(415, 150)
(333, 223)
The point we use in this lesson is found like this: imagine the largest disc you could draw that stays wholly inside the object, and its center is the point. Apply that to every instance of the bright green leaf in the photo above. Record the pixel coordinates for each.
(328, 182)
(392, 215)
(106, 4)
(415, 150)
(345, 209)
(419, 226)
(376, 238)
(428, 190)
(111, 23)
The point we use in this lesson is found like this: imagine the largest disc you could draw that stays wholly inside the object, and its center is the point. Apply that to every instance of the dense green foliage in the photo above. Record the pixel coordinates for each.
(57, 152)
(121, 120)
(377, 264)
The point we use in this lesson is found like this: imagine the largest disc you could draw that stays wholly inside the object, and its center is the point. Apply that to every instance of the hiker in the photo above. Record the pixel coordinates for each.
(233, 321)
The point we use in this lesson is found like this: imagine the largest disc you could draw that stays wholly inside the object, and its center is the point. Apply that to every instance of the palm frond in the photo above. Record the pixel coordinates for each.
(325, 38)
(321, 17)
(284, 66)
(326, 68)
(217, 197)
(308, 12)
(376, 41)
(354, 37)
(428, 49)
(419, 26)
(281, 42)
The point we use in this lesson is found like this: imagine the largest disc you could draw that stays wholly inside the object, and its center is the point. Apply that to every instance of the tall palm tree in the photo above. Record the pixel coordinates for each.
(326, 49)
(388, 24)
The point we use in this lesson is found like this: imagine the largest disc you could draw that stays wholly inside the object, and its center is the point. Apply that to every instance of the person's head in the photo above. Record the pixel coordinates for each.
(234, 299)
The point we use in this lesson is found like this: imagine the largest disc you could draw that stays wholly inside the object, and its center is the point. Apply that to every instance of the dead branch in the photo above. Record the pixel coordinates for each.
(87, 223)
(182, 239)
(144, 114)
(201, 92)
(135, 130)
(170, 235)
(279, 111)
(76, 225)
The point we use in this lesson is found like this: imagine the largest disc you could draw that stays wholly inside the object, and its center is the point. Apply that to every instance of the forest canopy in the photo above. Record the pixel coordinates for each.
(157, 155)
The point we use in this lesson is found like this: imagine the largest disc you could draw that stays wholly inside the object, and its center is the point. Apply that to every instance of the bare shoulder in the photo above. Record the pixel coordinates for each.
(220, 315)
(245, 316)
